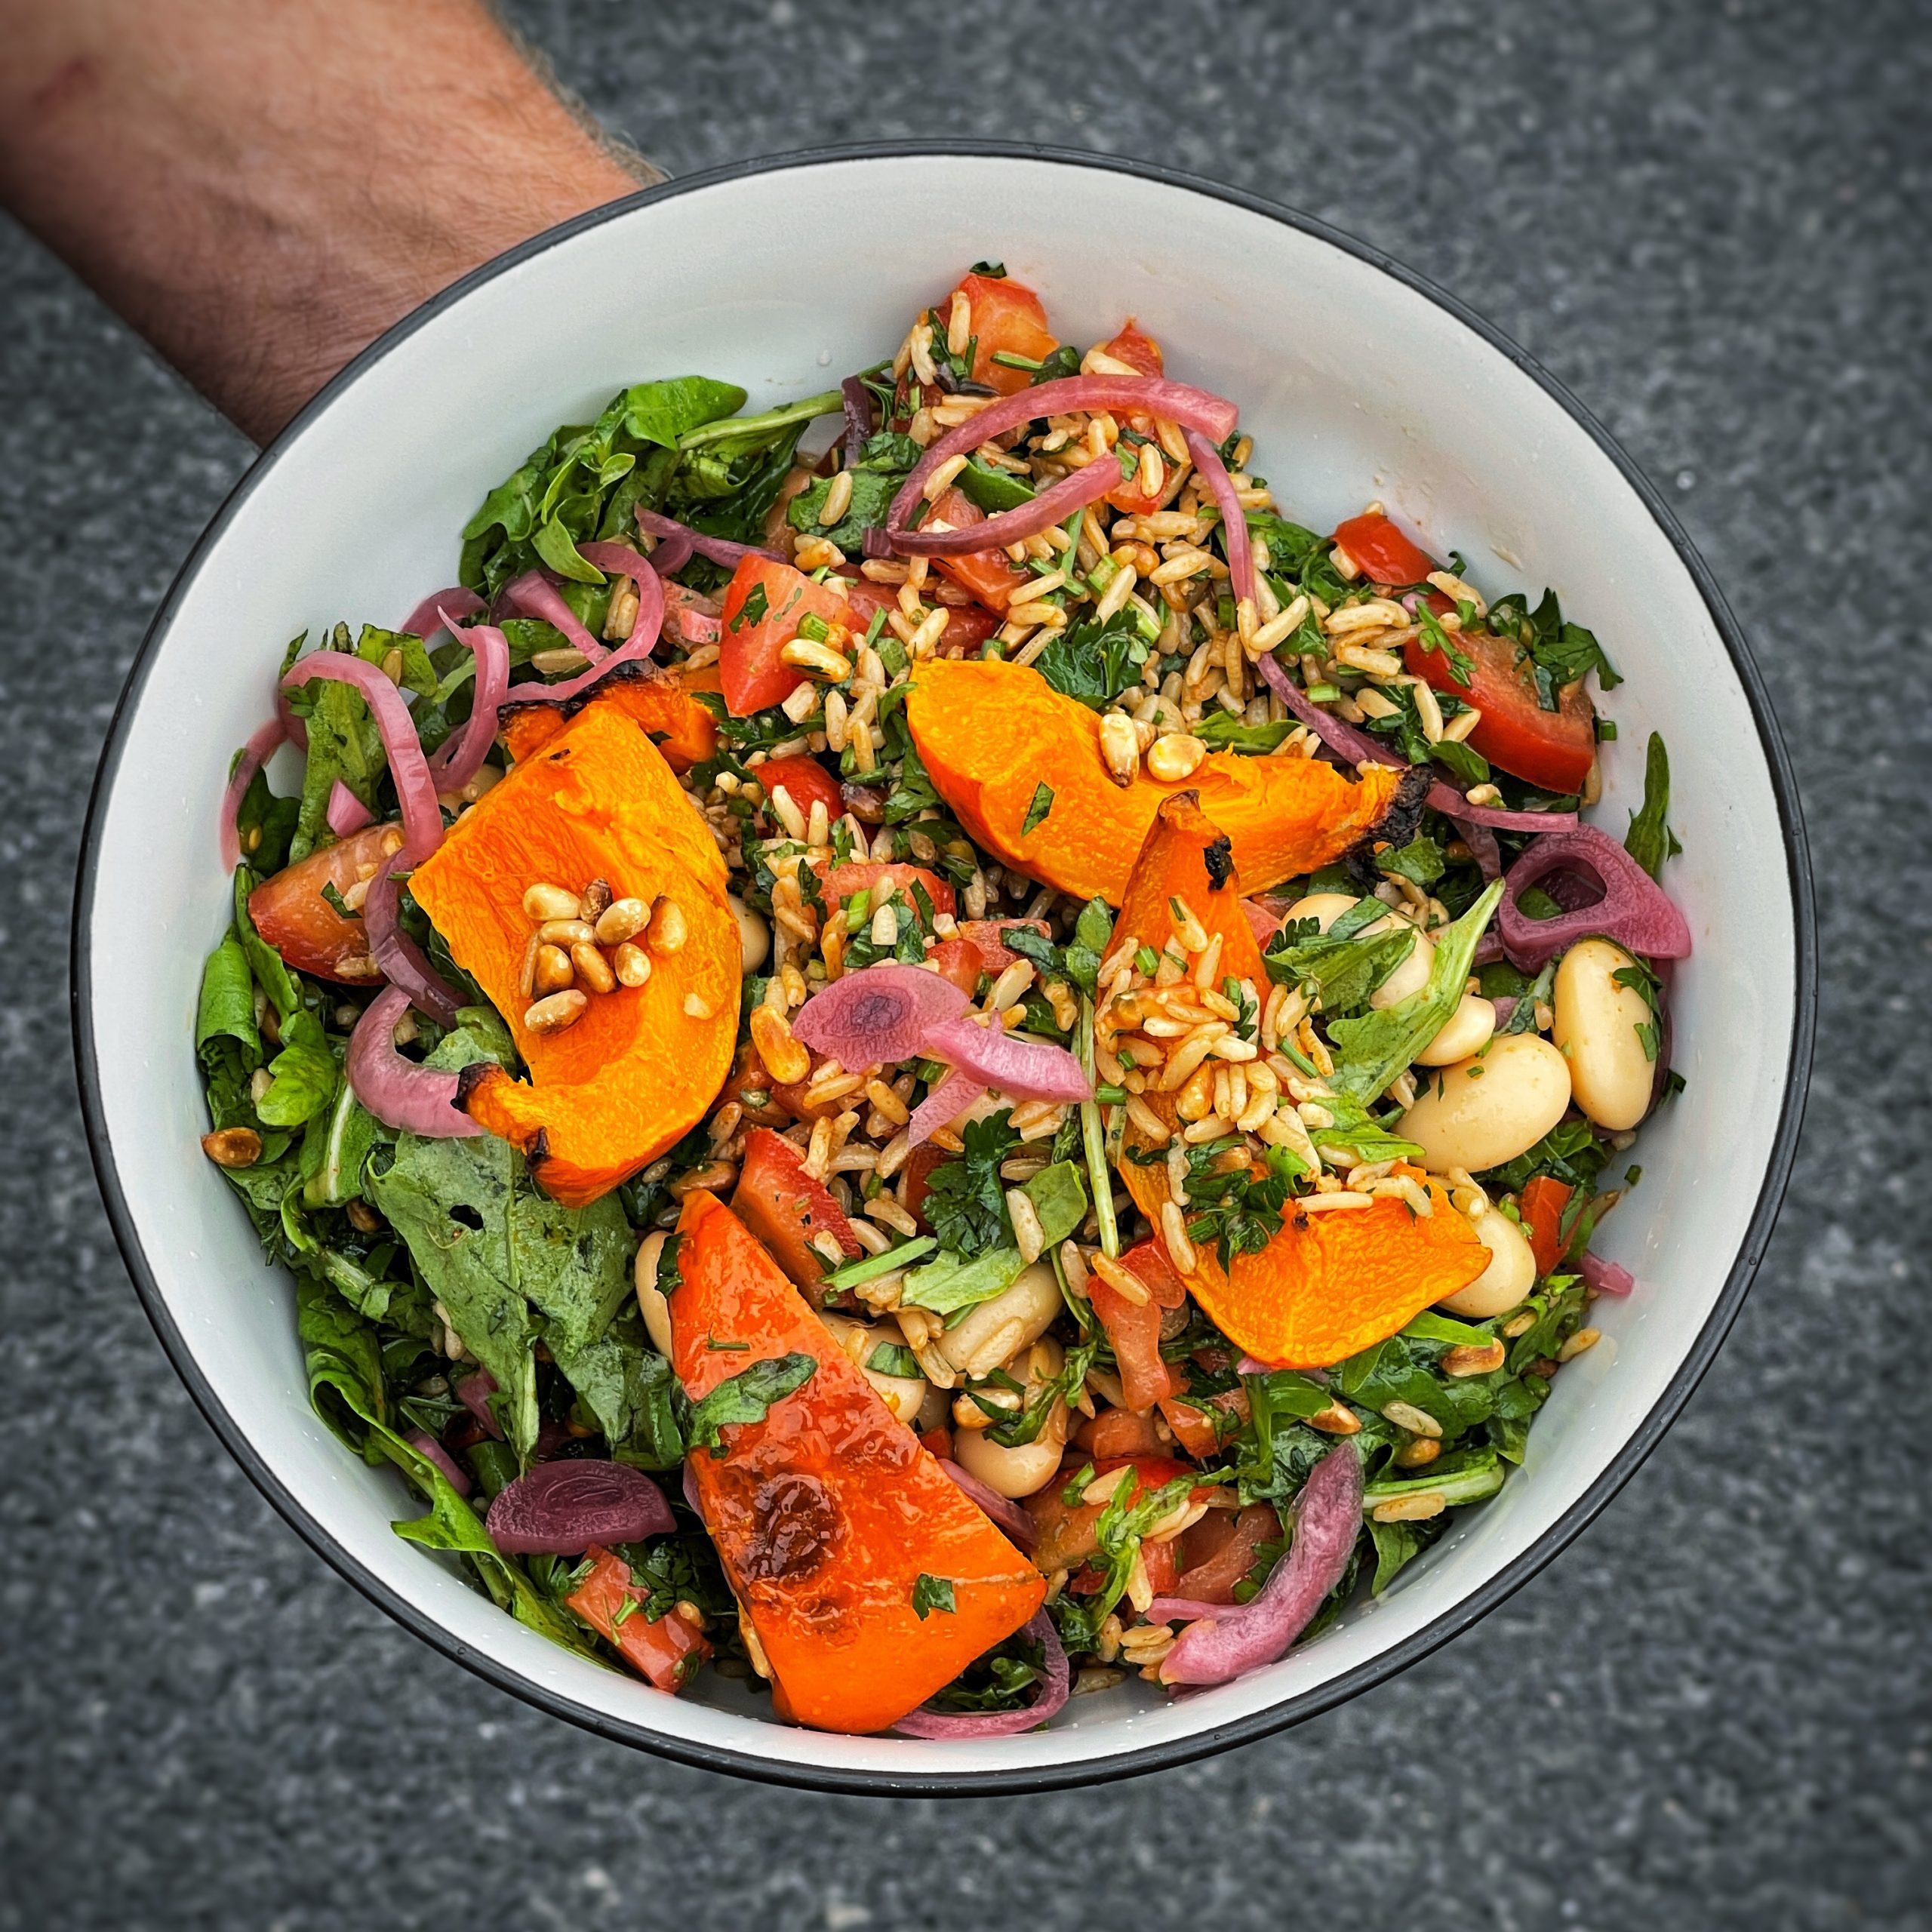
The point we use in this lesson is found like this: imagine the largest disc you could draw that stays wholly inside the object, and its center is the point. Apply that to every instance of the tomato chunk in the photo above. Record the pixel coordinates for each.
(1137, 351)
(764, 604)
(1554, 749)
(807, 781)
(990, 575)
(1382, 551)
(1134, 1328)
(968, 624)
(786, 1208)
(1541, 1204)
(290, 913)
(667, 1652)
(976, 947)
(1008, 315)
(874, 875)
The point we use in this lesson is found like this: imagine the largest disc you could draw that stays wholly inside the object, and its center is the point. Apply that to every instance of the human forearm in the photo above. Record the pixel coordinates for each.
(261, 188)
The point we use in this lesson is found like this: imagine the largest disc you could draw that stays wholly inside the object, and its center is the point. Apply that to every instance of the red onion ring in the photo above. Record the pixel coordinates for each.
(533, 594)
(719, 550)
(858, 418)
(426, 1446)
(255, 754)
(1634, 911)
(435, 611)
(1192, 408)
(1225, 1642)
(942, 1105)
(1054, 1691)
(561, 1508)
(618, 559)
(1607, 1277)
(877, 1015)
(421, 1100)
(1497, 819)
(1027, 1070)
(398, 955)
(458, 760)
(1481, 842)
(1047, 511)
(347, 813)
(999, 1509)
(1234, 518)
(474, 1392)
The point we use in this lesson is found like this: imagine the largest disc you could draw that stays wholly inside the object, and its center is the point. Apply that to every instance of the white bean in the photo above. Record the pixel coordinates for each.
(1468, 1030)
(754, 935)
(1013, 1472)
(1323, 908)
(991, 1335)
(1486, 1110)
(650, 1302)
(1595, 1030)
(1511, 1275)
(904, 1394)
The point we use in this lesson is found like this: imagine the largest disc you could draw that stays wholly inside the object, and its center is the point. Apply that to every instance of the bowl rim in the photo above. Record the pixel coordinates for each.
(1135, 1761)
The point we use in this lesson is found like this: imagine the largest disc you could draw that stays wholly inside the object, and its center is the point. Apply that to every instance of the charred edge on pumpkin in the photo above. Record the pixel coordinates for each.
(1394, 829)
(469, 1078)
(1219, 858)
(536, 1156)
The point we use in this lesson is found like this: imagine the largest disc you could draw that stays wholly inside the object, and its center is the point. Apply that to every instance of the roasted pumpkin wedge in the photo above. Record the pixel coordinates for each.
(869, 1580)
(1329, 1284)
(1021, 767)
(660, 699)
(636, 1071)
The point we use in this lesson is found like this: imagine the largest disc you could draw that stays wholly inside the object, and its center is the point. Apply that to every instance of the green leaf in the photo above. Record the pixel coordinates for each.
(374, 645)
(303, 1079)
(994, 489)
(284, 995)
(1095, 663)
(662, 411)
(1340, 971)
(872, 493)
(890, 1359)
(1461, 760)
(226, 1008)
(952, 1282)
(344, 1136)
(1036, 812)
(965, 1204)
(1371, 1051)
(1649, 840)
(932, 1593)
(344, 743)
(1421, 861)
(1226, 731)
(555, 544)
(1396, 1544)
(746, 1396)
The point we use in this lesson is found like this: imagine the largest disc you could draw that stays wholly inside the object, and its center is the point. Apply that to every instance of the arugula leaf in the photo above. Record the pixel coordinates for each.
(343, 1136)
(932, 1593)
(1095, 662)
(1396, 1544)
(1559, 653)
(1340, 971)
(1421, 861)
(1461, 760)
(664, 411)
(965, 1204)
(1649, 840)
(1433, 637)
(303, 1076)
(375, 644)
(745, 1398)
(1371, 1051)
(1036, 812)
(1226, 731)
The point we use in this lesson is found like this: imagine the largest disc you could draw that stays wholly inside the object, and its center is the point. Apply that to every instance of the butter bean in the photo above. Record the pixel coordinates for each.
(1488, 1110)
(904, 1394)
(1595, 1030)
(1323, 908)
(1468, 1030)
(754, 935)
(991, 1335)
(1013, 1472)
(1511, 1275)
(1411, 976)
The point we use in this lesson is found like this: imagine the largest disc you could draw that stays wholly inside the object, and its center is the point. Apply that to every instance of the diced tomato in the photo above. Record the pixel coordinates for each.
(1008, 315)
(1541, 1204)
(785, 1207)
(667, 1652)
(1134, 1328)
(1554, 749)
(918, 1170)
(957, 960)
(990, 575)
(1118, 1432)
(937, 1442)
(1067, 1537)
(873, 875)
(750, 1085)
(1220, 1549)
(976, 947)
(688, 615)
(290, 913)
(1193, 1423)
(764, 604)
(1162, 1561)
(807, 781)
(1382, 551)
(1137, 351)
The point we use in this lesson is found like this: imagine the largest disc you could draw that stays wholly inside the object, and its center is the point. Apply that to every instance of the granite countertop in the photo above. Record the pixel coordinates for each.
(1708, 221)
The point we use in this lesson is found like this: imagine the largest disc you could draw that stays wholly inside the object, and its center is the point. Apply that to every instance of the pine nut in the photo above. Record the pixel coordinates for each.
(553, 1014)
(1337, 1419)
(837, 499)
(620, 920)
(785, 1057)
(592, 969)
(553, 972)
(232, 1146)
(549, 901)
(1584, 1338)
(1472, 1359)
(1120, 747)
(565, 933)
(1176, 756)
(816, 660)
(1417, 1422)
(595, 901)
(630, 963)
(669, 928)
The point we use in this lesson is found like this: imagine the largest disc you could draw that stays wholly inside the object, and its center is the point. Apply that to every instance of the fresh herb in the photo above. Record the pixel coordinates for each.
(1242, 1208)
(303, 1077)
(932, 1593)
(1343, 967)
(746, 1396)
(952, 1283)
(1559, 653)
(1649, 840)
(1095, 663)
(870, 1266)
(992, 490)
(1036, 812)
(753, 610)
(965, 1204)
(1432, 637)
(1421, 861)
(1228, 731)
(893, 1358)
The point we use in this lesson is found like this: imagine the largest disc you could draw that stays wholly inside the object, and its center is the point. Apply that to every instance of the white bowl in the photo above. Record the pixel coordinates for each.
(1358, 381)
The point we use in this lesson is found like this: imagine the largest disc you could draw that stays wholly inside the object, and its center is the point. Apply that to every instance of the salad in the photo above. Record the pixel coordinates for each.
(912, 1048)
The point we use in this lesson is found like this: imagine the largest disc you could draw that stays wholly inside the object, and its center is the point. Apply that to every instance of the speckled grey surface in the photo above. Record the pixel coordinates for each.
(1712, 1713)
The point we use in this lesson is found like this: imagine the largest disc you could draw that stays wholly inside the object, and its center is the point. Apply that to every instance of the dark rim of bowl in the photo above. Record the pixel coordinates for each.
(1135, 1760)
